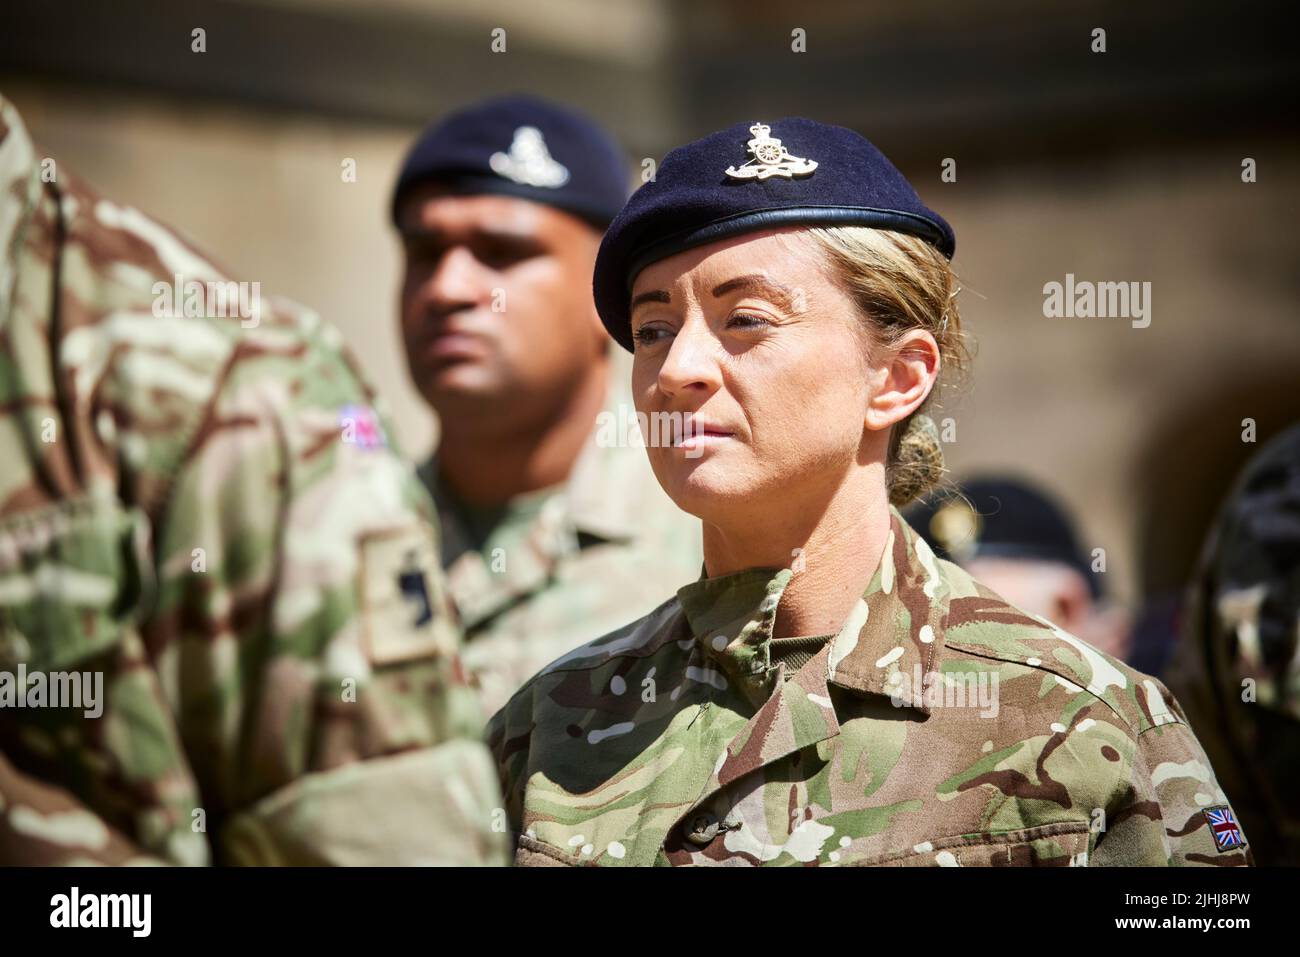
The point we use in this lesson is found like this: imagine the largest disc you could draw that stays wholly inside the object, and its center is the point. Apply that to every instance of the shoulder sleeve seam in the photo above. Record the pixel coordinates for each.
(1013, 659)
(1164, 724)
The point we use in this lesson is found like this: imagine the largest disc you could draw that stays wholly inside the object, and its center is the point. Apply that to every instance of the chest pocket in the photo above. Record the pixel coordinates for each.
(1063, 844)
(71, 577)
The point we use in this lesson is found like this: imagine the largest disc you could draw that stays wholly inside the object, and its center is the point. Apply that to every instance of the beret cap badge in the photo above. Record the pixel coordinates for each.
(769, 158)
(956, 526)
(529, 162)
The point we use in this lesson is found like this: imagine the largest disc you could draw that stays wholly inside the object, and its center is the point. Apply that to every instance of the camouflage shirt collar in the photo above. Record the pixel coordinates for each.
(533, 531)
(894, 635)
(602, 500)
(891, 637)
(731, 617)
(604, 494)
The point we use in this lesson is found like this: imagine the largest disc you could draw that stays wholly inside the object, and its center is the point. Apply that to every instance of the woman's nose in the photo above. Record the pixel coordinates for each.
(692, 360)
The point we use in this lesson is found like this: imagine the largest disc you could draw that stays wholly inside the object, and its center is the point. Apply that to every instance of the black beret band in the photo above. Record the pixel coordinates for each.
(595, 211)
(760, 219)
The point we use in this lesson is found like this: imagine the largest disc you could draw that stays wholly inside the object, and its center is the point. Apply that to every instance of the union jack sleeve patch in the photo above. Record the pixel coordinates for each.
(1224, 827)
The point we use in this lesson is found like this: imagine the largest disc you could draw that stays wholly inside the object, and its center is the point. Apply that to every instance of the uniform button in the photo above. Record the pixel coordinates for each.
(703, 827)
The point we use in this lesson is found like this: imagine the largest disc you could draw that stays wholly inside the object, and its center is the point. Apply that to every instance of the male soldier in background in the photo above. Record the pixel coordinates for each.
(1237, 667)
(1017, 541)
(555, 531)
(208, 546)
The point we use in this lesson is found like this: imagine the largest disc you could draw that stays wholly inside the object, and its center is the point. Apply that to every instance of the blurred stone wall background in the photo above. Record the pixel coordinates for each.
(1116, 166)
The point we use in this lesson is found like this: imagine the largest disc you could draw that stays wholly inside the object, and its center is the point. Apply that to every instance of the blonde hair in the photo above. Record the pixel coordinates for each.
(900, 283)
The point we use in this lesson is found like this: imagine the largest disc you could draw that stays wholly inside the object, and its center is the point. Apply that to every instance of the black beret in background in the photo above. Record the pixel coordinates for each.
(1000, 518)
(525, 147)
(751, 177)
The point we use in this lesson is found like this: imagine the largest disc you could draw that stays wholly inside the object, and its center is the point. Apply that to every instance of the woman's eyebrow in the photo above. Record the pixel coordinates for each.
(768, 289)
(654, 295)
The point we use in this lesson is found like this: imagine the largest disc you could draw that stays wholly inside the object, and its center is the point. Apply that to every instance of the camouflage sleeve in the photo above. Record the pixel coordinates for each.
(46, 826)
(73, 580)
(316, 678)
(223, 632)
(1173, 813)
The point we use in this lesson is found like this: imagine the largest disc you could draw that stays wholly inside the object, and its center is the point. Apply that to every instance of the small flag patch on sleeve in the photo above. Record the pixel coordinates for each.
(1224, 827)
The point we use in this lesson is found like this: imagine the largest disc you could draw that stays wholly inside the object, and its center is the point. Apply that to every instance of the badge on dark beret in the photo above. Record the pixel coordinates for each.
(956, 527)
(529, 162)
(770, 158)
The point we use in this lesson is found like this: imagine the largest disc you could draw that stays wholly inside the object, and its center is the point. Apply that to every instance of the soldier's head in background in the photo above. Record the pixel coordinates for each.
(1246, 594)
(1237, 664)
(1019, 541)
(500, 209)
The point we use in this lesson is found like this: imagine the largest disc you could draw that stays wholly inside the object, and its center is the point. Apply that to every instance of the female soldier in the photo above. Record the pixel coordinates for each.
(829, 692)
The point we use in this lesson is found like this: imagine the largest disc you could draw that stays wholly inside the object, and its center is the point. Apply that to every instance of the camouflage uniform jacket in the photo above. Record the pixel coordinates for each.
(673, 741)
(566, 565)
(184, 519)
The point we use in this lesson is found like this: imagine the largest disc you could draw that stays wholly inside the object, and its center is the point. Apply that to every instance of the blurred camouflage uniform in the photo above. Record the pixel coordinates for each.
(182, 512)
(692, 737)
(1237, 667)
(559, 567)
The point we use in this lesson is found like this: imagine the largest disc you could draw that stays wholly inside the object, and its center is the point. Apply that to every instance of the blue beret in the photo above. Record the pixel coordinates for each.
(753, 177)
(526, 147)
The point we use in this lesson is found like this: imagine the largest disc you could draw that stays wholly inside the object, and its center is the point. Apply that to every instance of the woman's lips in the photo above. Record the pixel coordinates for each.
(698, 439)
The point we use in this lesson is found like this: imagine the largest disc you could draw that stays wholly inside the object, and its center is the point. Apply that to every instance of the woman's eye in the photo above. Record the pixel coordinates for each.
(747, 320)
(648, 334)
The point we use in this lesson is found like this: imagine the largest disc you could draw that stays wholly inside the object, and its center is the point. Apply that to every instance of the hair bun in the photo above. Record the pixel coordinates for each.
(919, 466)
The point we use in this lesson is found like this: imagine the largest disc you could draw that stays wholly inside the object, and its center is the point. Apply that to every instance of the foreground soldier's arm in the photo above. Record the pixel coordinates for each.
(317, 678)
(207, 522)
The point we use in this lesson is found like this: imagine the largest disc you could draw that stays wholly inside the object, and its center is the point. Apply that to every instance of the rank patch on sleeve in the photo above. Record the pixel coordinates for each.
(1224, 827)
(400, 602)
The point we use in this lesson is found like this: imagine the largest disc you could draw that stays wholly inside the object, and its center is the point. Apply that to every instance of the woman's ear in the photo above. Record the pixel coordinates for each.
(904, 380)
